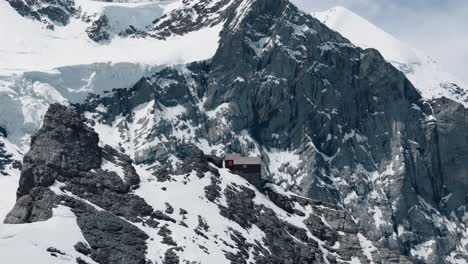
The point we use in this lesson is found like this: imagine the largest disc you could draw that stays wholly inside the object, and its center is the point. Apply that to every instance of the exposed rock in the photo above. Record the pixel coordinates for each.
(3, 132)
(112, 239)
(49, 12)
(212, 191)
(283, 83)
(240, 207)
(169, 209)
(81, 261)
(65, 151)
(452, 127)
(282, 245)
(82, 248)
(192, 17)
(170, 257)
(99, 29)
(166, 234)
(162, 216)
(7, 160)
(33, 207)
(182, 211)
(55, 251)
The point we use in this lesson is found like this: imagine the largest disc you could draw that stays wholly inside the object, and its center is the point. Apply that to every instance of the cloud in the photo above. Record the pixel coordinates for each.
(437, 27)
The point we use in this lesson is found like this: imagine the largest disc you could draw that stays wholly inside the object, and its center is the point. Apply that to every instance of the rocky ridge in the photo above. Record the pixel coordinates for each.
(48, 12)
(188, 16)
(167, 21)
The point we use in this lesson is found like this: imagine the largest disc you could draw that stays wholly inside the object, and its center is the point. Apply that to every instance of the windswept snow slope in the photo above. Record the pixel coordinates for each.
(421, 70)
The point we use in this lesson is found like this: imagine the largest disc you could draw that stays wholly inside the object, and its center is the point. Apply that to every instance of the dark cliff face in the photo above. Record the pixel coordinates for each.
(356, 120)
(49, 12)
(452, 128)
(63, 143)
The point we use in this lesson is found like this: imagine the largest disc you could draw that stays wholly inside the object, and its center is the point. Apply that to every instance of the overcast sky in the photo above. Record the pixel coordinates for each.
(437, 27)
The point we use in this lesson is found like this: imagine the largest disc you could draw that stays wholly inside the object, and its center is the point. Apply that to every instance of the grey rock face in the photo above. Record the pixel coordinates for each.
(192, 16)
(113, 240)
(282, 238)
(457, 91)
(66, 151)
(99, 30)
(64, 145)
(49, 12)
(33, 207)
(6, 159)
(452, 128)
(3, 132)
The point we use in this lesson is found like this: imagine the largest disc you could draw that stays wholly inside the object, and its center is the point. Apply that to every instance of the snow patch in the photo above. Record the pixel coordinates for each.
(367, 247)
(37, 237)
(423, 250)
(109, 166)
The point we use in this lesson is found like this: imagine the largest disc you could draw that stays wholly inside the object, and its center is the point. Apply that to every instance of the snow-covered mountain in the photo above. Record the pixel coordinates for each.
(424, 72)
(115, 115)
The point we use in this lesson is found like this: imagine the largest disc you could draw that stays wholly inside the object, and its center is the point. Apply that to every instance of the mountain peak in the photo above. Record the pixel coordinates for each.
(424, 72)
(357, 29)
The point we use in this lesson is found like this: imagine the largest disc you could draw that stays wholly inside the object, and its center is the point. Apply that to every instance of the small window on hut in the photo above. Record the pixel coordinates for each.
(244, 166)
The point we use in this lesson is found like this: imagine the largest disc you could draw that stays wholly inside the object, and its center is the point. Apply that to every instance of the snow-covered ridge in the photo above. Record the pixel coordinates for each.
(424, 72)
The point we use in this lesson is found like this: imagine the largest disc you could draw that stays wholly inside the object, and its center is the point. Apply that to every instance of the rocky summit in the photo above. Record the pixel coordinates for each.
(357, 165)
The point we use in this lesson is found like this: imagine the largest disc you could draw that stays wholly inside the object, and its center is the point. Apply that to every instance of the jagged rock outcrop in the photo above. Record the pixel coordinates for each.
(6, 158)
(192, 16)
(49, 12)
(65, 153)
(99, 30)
